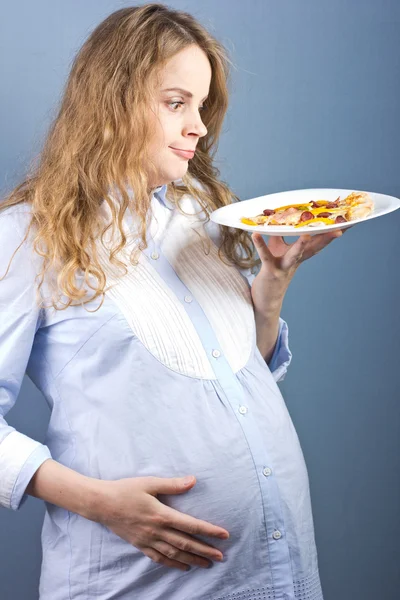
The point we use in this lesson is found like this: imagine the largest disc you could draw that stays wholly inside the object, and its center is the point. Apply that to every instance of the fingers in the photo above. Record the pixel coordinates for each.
(318, 243)
(174, 549)
(284, 257)
(346, 228)
(173, 485)
(173, 553)
(190, 545)
(157, 557)
(307, 246)
(181, 548)
(194, 526)
(277, 245)
(294, 256)
(159, 531)
(262, 249)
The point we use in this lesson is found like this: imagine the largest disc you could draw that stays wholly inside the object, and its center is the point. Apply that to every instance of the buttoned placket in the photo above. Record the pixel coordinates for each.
(275, 528)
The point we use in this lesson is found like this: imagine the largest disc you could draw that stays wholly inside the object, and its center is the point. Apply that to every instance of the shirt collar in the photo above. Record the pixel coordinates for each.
(160, 193)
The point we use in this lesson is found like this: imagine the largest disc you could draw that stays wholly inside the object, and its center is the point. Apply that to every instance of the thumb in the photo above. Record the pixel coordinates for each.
(263, 251)
(173, 485)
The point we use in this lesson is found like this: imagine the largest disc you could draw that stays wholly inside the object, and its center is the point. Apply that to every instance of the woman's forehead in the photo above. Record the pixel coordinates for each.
(189, 69)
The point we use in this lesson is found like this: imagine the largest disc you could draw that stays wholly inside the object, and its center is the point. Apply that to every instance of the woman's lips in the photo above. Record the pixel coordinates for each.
(183, 153)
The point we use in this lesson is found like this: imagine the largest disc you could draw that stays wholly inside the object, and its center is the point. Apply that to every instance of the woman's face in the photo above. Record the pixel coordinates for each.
(177, 113)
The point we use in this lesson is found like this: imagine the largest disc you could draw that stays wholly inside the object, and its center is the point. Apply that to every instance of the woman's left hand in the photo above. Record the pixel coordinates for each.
(279, 262)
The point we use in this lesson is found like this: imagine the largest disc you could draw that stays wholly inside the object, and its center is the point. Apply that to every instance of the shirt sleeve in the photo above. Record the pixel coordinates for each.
(20, 456)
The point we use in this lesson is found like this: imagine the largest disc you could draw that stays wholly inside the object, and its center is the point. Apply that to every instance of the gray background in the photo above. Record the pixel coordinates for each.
(315, 103)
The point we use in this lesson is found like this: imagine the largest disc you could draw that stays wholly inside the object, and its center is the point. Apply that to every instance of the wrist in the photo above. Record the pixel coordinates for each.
(277, 277)
(98, 500)
(269, 307)
(64, 487)
(268, 293)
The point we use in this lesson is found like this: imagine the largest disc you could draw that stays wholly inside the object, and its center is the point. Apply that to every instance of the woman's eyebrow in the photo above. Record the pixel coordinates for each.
(182, 91)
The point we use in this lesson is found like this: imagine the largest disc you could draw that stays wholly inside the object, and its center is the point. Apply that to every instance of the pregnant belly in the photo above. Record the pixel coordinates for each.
(226, 494)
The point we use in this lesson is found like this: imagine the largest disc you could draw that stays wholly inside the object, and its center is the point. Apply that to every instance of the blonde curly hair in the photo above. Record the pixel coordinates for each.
(89, 150)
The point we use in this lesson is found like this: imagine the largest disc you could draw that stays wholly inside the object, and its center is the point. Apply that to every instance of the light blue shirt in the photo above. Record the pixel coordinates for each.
(131, 396)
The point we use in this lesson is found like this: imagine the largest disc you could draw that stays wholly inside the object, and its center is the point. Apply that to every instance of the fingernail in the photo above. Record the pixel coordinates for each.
(187, 480)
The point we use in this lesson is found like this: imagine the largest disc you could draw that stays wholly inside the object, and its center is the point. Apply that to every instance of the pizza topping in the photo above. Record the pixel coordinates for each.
(297, 206)
(316, 220)
(248, 221)
(319, 203)
(306, 216)
(324, 214)
(356, 205)
(319, 211)
(289, 216)
(325, 203)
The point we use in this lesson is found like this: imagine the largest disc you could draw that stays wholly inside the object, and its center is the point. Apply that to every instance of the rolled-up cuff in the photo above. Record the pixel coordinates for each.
(20, 457)
(282, 355)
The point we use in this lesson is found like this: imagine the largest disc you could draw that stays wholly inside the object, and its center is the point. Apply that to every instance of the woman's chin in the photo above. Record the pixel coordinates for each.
(175, 174)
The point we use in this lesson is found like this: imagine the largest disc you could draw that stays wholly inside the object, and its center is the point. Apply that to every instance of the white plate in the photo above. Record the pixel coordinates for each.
(230, 215)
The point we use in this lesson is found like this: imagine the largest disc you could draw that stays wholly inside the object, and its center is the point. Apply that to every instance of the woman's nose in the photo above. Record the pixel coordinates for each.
(202, 128)
(197, 126)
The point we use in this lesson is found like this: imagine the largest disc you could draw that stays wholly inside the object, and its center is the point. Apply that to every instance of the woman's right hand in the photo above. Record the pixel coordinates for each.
(130, 508)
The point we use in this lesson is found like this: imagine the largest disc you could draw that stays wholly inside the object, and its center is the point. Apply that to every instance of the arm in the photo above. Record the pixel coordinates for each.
(59, 485)
(273, 340)
(267, 328)
(129, 507)
(272, 334)
(20, 455)
(279, 263)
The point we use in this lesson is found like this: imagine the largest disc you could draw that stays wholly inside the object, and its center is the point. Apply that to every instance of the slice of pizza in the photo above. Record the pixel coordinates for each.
(356, 205)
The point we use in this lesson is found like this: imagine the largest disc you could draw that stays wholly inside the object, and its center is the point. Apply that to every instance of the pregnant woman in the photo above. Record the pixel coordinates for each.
(171, 468)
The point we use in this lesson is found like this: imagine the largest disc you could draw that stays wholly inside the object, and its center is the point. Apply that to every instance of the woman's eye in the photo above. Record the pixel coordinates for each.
(177, 103)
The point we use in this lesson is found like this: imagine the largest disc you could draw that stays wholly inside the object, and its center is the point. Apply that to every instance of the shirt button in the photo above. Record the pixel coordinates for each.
(188, 298)
(277, 535)
(243, 410)
(216, 353)
(155, 255)
(267, 471)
